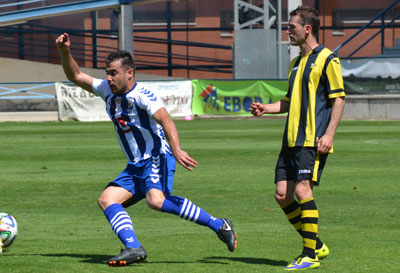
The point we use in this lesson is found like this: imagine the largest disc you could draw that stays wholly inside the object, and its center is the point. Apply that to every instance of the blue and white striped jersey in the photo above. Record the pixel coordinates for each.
(139, 135)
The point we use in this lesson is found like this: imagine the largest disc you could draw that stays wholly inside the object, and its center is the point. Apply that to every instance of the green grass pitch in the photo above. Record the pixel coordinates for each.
(52, 173)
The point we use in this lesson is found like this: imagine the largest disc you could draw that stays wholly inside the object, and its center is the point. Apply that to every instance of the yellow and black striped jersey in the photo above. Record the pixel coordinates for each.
(314, 79)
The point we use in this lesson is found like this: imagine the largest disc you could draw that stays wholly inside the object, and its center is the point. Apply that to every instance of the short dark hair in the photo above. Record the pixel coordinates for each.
(309, 16)
(124, 56)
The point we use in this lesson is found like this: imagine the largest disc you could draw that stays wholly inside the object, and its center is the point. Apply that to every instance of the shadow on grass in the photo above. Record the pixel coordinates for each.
(91, 259)
(102, 259)
(247, 260)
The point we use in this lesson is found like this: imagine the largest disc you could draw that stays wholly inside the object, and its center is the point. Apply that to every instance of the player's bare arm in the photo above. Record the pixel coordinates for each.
(325, 143)
(258, 109)
(71, 68)
(171, 133)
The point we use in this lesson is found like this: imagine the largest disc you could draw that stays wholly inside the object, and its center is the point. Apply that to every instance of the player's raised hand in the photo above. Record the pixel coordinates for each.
(63, 42)
(257, 109)
(184, 159)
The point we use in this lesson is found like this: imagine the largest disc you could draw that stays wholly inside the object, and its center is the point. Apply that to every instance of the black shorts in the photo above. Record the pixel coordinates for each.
(300, 163)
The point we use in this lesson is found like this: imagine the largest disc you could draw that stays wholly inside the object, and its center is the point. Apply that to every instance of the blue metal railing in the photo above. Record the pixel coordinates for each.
(9, 92)
(28, 41)
(19, 4)
(42, 48)
(22, 15)
(381, 31)
(373, 36)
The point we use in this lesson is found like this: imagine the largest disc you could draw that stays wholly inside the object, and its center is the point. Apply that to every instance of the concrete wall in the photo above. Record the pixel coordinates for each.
(372, 107)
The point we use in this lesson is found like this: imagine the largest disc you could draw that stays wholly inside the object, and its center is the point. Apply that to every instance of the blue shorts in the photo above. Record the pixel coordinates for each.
(156, 172)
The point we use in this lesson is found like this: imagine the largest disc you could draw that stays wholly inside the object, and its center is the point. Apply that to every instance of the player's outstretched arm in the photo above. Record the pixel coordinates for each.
(171, 133)
(258, 109)
(71, 68)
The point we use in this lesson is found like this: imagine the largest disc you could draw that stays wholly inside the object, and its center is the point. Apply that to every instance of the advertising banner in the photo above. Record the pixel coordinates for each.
(176, 95)
(213, 97)
(74, 103)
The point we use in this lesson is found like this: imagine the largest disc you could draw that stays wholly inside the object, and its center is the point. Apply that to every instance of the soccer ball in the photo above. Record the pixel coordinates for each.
(8, 229)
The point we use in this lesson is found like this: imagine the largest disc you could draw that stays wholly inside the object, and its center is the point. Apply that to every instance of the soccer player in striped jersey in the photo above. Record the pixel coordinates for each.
(143, 127)
(314, 103)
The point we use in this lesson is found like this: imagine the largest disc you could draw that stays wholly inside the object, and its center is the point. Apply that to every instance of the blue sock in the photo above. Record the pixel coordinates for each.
(185, 209)
(121, 224)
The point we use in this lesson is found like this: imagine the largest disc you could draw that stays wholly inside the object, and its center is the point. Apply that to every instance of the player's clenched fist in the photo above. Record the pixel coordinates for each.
(257, 109)
(63, 42)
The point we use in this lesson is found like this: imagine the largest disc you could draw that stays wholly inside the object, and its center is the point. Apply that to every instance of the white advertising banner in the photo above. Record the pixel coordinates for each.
(74, 103)
(176, 95)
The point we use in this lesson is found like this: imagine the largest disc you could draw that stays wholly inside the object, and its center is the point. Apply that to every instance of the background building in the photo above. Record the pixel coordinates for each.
(189, 38)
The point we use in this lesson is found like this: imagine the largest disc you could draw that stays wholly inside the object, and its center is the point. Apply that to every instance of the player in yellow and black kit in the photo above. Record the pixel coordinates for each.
(314, 103)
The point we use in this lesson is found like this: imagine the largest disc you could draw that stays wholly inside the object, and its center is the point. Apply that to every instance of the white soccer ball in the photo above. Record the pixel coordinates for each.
(8, 229)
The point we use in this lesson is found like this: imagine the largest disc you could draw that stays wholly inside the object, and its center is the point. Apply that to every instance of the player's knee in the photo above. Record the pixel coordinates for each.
(155, 202)
(282, 198)
(279, 197)
(303, 191)
(155, 199)
(103, 202)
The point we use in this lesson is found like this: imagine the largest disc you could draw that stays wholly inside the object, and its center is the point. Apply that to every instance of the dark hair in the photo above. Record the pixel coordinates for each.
(308, 16)
(124, 56)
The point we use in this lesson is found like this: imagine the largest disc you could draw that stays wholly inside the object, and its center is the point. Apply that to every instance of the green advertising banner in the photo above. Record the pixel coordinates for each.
(234, 97)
